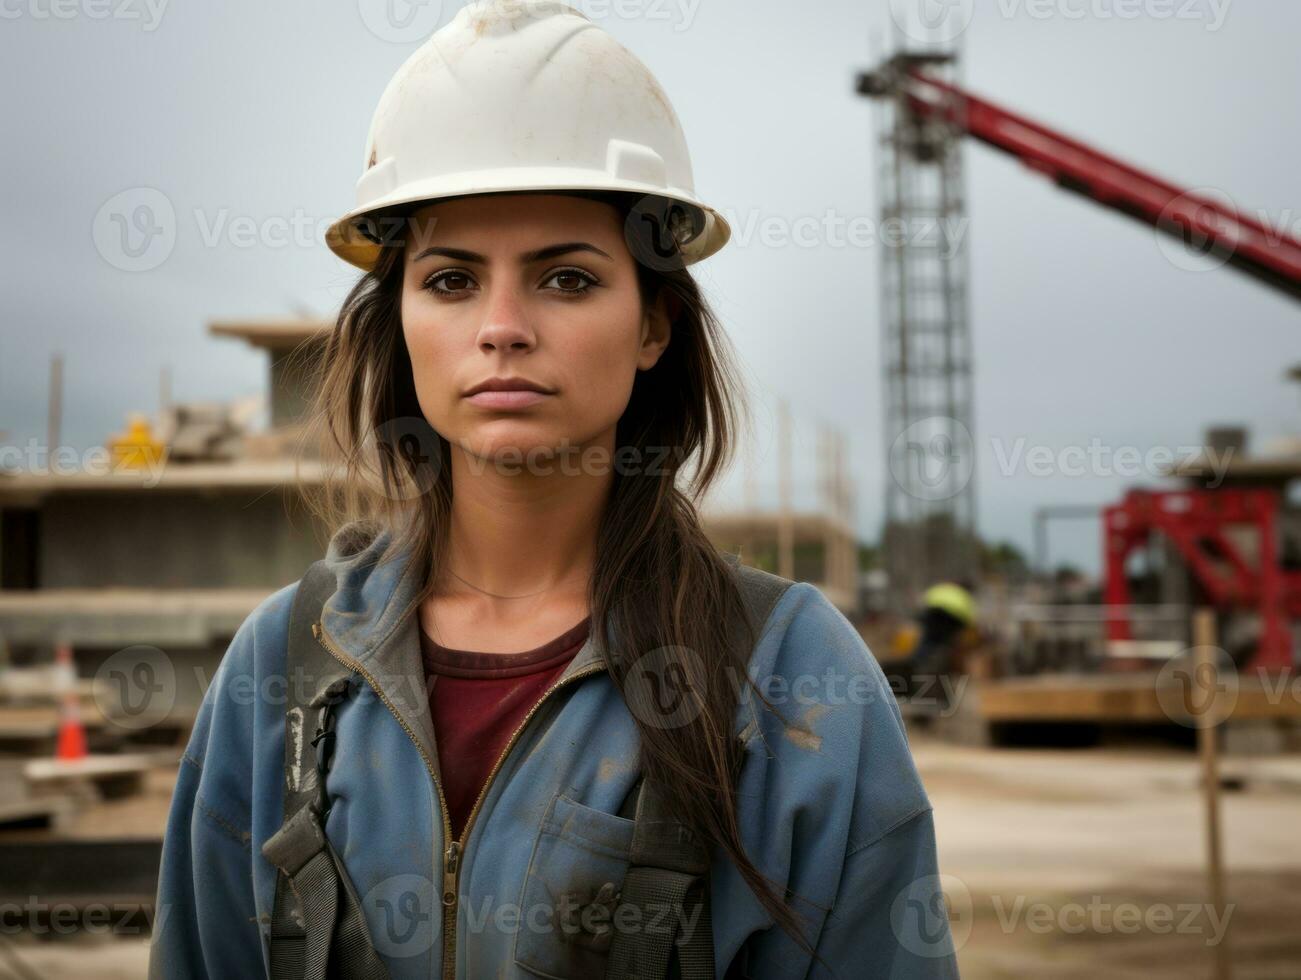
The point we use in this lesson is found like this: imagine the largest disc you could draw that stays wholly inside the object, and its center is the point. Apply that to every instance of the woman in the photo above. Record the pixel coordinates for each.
(556, 732)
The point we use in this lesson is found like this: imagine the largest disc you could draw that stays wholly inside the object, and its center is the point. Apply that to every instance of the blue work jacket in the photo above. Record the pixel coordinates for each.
(831, 806)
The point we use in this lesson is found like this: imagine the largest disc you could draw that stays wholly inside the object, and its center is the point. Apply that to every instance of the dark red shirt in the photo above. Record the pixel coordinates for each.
(477, 700)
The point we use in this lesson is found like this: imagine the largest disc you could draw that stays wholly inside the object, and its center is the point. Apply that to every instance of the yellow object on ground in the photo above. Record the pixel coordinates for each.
(904, 641)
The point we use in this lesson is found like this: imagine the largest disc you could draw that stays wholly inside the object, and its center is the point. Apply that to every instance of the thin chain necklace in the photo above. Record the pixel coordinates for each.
(498, 595)
(495, 595)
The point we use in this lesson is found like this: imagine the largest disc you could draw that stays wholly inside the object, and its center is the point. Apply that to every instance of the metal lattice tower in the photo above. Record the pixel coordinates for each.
(929, 530)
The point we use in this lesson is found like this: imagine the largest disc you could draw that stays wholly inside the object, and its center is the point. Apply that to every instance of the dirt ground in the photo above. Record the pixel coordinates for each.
(1090, 863)
(1058, 864)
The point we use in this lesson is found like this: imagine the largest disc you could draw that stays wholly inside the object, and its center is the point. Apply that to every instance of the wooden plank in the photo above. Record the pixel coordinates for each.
(1114, 699)
(1207, 748)
(95, 766)
(38, 721)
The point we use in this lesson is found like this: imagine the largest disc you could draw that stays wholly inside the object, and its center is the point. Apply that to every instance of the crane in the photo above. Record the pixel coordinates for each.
(1196, 521)
(1216, 228)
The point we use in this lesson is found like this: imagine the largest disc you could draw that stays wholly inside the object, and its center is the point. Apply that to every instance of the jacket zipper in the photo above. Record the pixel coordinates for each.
(455, 848)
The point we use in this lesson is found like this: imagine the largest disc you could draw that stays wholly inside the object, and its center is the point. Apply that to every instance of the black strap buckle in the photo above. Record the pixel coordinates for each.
(323, 745)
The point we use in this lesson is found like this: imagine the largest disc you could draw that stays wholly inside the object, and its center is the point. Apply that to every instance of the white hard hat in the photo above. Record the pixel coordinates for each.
(524, 95)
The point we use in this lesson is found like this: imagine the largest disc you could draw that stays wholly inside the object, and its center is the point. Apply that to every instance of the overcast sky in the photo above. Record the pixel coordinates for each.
(1086, 331)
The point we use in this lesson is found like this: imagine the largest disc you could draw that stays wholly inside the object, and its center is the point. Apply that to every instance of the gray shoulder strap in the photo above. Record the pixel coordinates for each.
(668, 866)
(760, 590)
(317, 925)
(760, 593)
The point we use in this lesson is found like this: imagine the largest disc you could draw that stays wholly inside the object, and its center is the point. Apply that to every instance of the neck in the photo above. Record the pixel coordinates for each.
(526, 527)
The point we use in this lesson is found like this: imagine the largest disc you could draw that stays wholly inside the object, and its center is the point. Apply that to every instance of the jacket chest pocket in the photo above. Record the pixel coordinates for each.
(570, 890)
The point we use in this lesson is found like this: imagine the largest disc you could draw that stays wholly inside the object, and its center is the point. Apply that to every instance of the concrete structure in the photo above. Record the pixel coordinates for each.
(291, 346)
(823, 549)
(172, 558)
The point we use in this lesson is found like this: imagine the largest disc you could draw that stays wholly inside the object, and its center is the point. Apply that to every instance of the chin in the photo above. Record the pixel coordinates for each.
(513, 441)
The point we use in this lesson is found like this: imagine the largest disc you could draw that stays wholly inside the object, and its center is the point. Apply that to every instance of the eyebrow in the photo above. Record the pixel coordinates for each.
(547, 252)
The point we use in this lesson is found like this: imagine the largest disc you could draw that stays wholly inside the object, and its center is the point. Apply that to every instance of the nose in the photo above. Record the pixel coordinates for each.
(506, 324)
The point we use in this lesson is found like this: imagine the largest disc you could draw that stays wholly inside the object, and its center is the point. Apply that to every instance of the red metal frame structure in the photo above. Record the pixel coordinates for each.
(1198, 523)
(1215, 228)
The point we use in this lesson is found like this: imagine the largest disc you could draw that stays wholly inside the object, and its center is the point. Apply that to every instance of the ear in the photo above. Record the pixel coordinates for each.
(656, 330)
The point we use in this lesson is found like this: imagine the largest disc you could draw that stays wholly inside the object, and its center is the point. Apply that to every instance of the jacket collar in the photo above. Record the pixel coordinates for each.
(371, 619)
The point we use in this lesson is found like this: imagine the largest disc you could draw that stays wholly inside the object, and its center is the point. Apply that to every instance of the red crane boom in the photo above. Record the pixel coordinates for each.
(1216, 228)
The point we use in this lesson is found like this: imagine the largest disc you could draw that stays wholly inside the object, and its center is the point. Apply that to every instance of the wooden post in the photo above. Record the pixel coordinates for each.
(54, 424)
(827, 504)
(785, 513)
(164, 392)
(1204, 639)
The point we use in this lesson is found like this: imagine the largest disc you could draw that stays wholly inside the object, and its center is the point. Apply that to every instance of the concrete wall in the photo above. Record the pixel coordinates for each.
(175, 539)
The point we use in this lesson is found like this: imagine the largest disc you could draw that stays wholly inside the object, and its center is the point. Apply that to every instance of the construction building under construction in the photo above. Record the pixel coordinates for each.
(101, 572)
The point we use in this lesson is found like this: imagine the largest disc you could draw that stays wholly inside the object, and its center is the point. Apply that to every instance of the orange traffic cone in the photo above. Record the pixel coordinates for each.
(72, 736)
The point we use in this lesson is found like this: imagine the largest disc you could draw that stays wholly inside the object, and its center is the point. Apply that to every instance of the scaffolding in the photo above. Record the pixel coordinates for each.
(929, 532)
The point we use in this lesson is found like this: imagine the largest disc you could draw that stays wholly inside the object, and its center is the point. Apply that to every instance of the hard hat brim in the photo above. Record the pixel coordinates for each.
(348, 241)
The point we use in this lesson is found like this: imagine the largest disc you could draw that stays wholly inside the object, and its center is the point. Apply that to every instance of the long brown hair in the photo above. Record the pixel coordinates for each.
(657, 577)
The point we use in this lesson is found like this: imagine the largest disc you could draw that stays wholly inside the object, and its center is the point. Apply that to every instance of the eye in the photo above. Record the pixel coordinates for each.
(572, 281)
(449, 282)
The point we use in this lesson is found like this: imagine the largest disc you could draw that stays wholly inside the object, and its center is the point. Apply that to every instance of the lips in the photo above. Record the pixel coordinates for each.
(507, 384)
(507, 393)
(509, 398)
